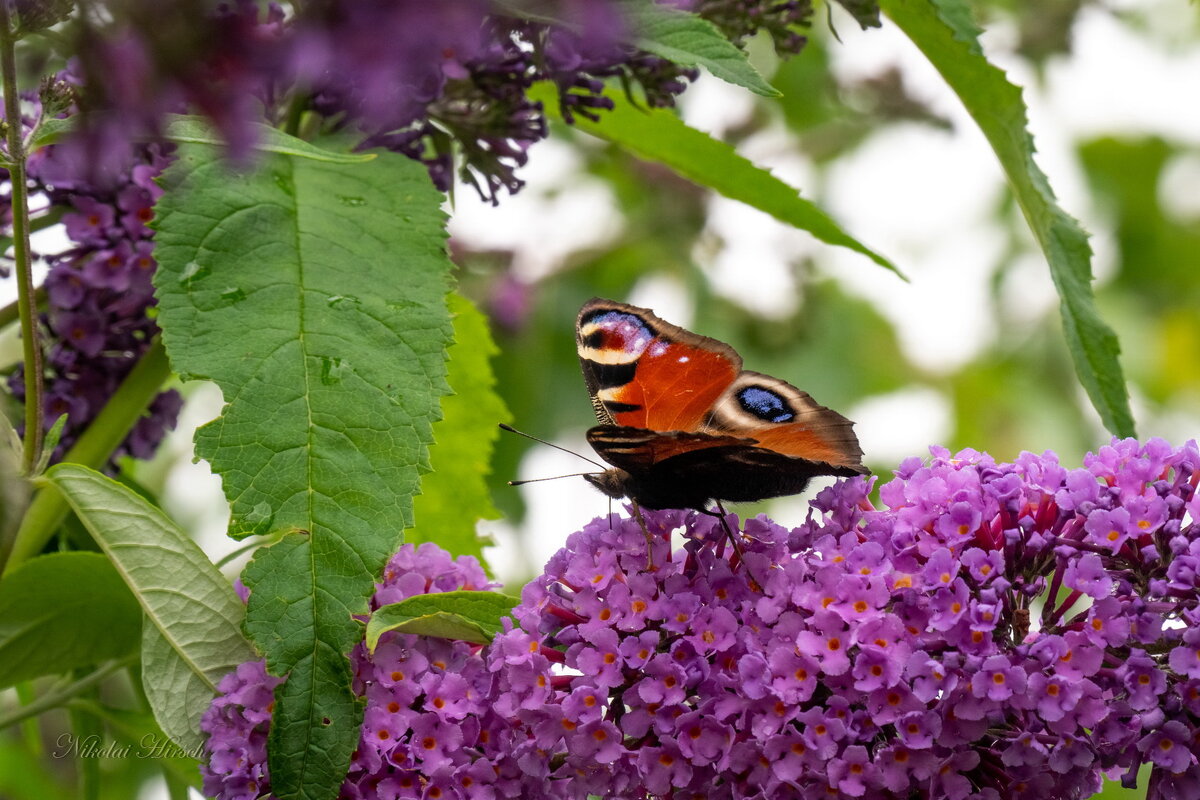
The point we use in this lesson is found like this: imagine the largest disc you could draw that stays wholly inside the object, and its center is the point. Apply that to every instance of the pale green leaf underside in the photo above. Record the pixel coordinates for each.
(64, 611)
(659, 136)
(944, 32)
(198, 130)
(684, 38)
(467, 615)
(193, 616)
(314, 294)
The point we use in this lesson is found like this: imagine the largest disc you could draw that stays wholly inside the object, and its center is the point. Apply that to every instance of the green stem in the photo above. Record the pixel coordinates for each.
(93, 449)
(32, 450)
(58, 697)
(30, 733)
(84, 726)
(295, 111)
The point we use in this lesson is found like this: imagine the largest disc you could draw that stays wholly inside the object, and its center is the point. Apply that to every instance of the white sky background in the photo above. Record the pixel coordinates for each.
(929, 209)
(923, 197)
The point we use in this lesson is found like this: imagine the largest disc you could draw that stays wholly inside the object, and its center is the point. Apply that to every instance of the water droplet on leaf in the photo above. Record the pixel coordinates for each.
(343, 301)
(192, 272)
(233, 295)
(332, 370)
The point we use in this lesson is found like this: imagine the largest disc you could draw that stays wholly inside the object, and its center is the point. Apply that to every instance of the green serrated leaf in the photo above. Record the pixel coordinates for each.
(197, 130)
(454, 495)
(188, 604)
(660, 136)
(684, 38)
(865, 12)
(50, 131)
(314, 294)
(943, 31)
(467, 615)
(63, 611)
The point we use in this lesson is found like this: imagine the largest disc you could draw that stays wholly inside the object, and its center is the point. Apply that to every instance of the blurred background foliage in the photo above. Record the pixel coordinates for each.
(1015, 390)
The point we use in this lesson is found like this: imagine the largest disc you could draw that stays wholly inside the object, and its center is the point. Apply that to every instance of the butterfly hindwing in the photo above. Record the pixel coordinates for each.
(638, 449)
(785, 420)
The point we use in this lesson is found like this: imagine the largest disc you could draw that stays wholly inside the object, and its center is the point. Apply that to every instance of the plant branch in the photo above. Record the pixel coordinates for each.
(21, 253)
(57, 697)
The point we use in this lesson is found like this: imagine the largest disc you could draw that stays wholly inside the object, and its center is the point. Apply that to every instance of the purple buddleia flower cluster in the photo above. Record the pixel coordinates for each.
(428, 702)
(236, 725)
(446, 83)
(98, 292)
(994, 630)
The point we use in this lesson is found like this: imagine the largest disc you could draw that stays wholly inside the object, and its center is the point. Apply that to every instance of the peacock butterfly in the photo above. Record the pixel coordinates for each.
(682, 423)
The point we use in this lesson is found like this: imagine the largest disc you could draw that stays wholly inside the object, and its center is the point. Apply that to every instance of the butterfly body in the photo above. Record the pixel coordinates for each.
(683, 424)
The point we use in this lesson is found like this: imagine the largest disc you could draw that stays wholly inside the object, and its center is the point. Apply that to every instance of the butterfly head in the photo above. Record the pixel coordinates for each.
(613, 482)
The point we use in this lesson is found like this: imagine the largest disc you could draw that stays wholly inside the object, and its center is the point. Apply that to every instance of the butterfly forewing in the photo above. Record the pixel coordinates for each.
(646, 373)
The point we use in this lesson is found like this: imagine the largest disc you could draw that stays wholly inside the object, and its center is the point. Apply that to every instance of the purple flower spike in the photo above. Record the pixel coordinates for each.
(98, 289)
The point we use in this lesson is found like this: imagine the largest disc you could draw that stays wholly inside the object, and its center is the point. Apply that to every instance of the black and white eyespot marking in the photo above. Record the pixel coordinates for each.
(614, 318)
(612, 337)
(765, 404)
(755, 399)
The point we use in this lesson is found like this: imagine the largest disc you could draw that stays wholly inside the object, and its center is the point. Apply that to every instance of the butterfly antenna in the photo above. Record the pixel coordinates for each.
(551, 478)
(511, 429)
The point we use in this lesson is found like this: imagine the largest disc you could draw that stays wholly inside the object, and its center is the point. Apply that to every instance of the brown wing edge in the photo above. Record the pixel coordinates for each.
(639, 449)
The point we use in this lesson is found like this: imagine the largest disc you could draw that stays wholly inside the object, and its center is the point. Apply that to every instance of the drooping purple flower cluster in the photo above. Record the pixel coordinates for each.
(237, 724)
(740, 19)
(993, 631)
(441, 82)
(98, 292)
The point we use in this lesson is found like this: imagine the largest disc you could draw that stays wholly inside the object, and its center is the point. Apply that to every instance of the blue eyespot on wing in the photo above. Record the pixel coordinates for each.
(765, 404)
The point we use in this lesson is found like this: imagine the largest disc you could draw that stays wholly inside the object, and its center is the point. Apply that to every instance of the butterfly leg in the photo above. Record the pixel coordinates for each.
(734, 541)
(641, 521)
(720, 514)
